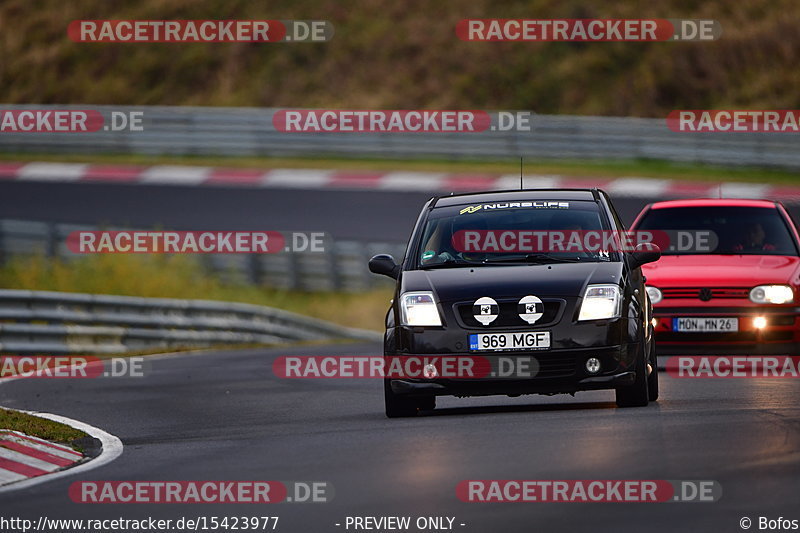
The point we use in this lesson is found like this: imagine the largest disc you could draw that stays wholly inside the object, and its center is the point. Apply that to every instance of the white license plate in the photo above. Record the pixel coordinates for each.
(524, 340)
(705, 324)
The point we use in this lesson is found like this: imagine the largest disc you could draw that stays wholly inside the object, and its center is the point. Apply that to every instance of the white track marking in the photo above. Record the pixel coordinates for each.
(297, 178)
(412, 181)
(52, 172)
(175, 175)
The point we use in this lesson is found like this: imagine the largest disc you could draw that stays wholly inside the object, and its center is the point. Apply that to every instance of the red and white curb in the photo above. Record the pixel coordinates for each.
(24, 457)
(194, 176)
(26, 461)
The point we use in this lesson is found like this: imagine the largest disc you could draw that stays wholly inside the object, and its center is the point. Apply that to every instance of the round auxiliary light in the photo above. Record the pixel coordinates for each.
(430, 371)
(593, 365)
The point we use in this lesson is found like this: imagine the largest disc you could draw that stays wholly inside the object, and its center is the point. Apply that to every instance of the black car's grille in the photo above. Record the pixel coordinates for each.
(508, 315)
(558, 366)
(707, 293)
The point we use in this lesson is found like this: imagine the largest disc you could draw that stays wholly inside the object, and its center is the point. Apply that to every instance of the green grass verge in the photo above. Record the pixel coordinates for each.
(40, 427)
(597, 168)
(164, 276)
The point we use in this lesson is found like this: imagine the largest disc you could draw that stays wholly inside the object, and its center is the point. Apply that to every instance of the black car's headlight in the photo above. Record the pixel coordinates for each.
(600, 302)
(772, 294)
(419, 309)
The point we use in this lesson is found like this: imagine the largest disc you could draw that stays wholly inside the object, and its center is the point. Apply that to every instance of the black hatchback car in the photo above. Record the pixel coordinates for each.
(472, 288)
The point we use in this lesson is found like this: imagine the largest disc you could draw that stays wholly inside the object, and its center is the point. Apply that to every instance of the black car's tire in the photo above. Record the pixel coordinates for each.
(652, 379)
(636, 395)
(397, 406)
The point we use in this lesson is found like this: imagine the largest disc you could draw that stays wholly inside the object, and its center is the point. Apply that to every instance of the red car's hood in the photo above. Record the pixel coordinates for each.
(721, 270)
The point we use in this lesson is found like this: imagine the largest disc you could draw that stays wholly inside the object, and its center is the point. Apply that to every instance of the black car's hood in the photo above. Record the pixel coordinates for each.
(507, 281)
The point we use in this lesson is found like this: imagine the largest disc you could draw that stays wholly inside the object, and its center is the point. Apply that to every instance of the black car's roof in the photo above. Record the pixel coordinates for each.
(515, 196)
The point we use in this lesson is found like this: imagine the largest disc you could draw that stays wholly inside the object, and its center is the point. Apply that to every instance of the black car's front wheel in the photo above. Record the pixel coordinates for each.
(636, 395)
(400, 407)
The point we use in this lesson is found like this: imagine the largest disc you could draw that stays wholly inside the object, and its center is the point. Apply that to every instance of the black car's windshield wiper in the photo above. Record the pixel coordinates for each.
(450, 263)
(533, 259)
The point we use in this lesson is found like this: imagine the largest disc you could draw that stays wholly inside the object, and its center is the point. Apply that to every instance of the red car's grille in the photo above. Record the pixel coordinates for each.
(715, 292)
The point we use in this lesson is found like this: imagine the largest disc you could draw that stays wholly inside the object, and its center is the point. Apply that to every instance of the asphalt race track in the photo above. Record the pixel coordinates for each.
(225, 416)
(370, 215)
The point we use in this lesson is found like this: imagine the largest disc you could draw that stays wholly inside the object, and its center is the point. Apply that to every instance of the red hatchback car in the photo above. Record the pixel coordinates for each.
(729, 283)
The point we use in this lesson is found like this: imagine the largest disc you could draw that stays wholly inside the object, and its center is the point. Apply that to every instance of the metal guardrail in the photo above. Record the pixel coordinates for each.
(38, 322)
(341, 267)
(250, 132)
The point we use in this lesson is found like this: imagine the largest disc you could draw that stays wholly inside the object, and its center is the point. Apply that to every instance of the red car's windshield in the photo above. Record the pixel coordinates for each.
(736, 229)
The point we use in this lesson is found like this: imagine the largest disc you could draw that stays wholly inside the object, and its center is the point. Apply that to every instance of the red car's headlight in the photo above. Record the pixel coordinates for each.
(772, 294)
(654, 294)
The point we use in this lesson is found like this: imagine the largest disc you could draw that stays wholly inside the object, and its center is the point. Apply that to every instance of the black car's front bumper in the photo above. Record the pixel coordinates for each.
(560, 371)
(510, 387)
(617, 343)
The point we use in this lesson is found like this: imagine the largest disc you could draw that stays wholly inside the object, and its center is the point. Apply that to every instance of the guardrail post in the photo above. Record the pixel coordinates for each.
(51, 243)
(333, 265)
(292, 277)
(254, 268)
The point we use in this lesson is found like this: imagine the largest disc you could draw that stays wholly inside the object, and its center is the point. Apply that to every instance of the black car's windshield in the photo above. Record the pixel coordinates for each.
(512, 233)
(730, 230)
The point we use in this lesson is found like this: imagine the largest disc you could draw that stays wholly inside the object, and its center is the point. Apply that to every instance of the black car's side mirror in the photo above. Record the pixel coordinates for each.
(644, 253)
(384, 264)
